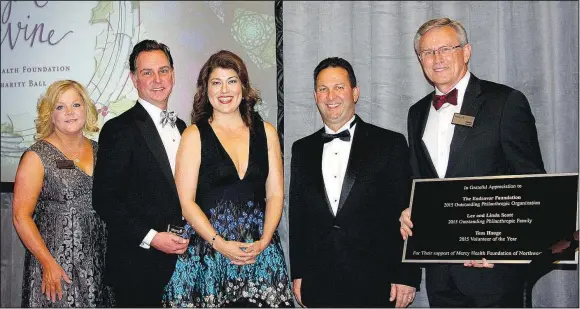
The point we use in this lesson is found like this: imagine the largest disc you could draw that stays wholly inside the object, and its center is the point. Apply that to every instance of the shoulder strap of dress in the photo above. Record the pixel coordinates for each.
(41, 148)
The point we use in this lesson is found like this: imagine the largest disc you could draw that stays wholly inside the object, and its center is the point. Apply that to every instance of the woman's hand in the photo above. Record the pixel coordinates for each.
(235, 251)
(256, 248)
(52, 274)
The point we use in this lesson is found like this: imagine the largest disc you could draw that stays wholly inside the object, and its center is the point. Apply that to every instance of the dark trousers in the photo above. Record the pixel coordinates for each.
(447, 287)
(131, 297)
(453, 298)
(316, 296)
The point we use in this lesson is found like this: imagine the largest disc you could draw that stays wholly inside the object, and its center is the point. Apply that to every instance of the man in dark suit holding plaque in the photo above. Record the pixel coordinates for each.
(134, 190)
(349, 182)
(493, 133)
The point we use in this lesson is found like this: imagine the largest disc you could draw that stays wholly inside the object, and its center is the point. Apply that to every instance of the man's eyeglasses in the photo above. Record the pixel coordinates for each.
(443, 51)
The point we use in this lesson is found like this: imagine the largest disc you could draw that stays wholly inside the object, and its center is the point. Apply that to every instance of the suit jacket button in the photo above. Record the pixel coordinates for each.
(336, 227)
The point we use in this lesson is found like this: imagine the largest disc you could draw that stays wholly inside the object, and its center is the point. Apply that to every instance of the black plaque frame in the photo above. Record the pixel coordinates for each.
(469, 218)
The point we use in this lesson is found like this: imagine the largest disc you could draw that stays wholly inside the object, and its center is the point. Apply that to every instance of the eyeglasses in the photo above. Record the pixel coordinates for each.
(443, 51)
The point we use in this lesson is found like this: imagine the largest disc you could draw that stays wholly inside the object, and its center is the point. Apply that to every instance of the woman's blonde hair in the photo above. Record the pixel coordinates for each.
(46, 103)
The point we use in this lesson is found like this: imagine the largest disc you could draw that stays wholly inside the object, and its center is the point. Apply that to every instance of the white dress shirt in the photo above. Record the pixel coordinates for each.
(170, 137)
(439, 130)
(335, 156)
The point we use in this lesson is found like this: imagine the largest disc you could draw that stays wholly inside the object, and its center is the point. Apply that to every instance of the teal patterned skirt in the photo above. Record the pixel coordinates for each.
(203, 277)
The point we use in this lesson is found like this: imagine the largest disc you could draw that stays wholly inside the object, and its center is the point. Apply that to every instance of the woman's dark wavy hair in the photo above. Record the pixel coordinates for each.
(202, 109)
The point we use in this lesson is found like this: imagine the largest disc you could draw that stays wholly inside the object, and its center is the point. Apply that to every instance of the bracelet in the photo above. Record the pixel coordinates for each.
(213, 239)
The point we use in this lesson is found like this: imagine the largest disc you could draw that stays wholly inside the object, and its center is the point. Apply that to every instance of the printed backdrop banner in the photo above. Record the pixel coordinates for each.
(90, 42)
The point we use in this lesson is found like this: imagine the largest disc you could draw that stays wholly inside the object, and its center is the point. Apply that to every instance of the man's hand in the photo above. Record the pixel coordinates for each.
(563, 244)
(296, 285)
(404, 295)
(169, 243)
(406, 224)
(476, 264)
(560, 246)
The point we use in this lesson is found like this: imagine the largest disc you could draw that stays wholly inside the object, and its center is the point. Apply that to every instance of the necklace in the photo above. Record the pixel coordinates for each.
(76, 155)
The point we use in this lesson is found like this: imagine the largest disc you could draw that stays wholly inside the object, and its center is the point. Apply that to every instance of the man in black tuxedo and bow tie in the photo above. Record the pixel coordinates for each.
(349, 182)
(500, 140)
(134, 189)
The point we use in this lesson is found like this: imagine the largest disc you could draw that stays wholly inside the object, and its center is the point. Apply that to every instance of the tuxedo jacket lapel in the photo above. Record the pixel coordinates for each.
(472, 102)
(149, 132)
(357, 151)
(317, 170)
(180, 126)
(423, 121)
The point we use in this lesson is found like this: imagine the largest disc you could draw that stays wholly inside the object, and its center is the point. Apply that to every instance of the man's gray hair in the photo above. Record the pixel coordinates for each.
(437, 23)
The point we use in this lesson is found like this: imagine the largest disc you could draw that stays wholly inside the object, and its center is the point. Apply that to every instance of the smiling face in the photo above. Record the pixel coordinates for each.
(153, 78)
(334, 96)
(224, 91)
(69, 113)
(444, 71)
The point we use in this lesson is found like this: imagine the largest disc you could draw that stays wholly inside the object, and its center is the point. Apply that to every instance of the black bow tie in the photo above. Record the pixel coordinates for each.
(344, 135)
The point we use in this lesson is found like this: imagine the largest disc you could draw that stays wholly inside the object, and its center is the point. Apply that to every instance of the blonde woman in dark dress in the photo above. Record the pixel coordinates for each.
(52, 209)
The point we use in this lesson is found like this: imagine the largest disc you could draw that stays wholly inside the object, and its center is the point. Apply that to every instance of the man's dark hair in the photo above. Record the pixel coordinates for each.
(145, 46)
(335, 62)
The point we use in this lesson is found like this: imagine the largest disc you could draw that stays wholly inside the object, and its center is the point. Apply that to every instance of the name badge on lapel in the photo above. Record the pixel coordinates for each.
(65, 164)
(463, 120)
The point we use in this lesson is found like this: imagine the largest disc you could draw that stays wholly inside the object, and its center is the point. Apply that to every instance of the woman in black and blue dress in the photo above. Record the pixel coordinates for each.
(230, 182)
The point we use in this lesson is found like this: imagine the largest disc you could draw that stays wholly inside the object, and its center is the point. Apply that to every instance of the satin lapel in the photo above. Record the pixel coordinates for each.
(425, 113)
(181, 126)
(149, 132)
(471, 104)
(317, 170)
(423, 120)
(355, 158)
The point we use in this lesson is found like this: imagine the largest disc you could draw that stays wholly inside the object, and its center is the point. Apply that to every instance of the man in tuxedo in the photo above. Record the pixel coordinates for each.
(349, 183)
(133, 187)
(501, 140)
